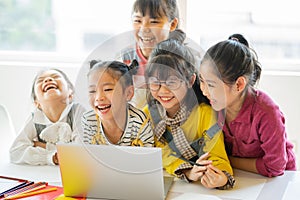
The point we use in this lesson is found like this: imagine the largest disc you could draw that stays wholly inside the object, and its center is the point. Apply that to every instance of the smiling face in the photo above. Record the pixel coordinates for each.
(49, 87)
(107, 96)
(150, 31)
(220, 95)
(169, 90)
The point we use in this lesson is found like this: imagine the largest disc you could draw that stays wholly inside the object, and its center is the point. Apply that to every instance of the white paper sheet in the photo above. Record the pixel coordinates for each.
(245, 188)
(193, 196)
(292, 190)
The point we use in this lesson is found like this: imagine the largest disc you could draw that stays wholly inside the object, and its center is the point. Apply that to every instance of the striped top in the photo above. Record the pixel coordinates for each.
(135, 119)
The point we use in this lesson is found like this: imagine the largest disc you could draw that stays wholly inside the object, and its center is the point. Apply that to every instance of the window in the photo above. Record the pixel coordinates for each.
(59, 30)
(272, 28)
(67, 30)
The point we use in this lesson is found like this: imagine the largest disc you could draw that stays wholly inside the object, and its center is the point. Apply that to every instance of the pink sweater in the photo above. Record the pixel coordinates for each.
(259, 132)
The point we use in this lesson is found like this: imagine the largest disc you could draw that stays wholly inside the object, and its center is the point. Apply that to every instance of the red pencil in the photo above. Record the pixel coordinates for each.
(12, 178)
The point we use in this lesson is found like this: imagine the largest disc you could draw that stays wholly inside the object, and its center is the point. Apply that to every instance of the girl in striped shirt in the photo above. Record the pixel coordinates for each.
(113, 120)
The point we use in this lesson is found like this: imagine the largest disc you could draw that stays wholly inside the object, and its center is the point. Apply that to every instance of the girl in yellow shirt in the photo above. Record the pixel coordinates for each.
(184, 124)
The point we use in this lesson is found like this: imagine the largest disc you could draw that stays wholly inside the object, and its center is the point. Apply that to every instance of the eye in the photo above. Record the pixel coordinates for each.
(136, 21)
(92, 91)
(154, 80)
(108, 89)
(55, 76)
(154, 21)
(39, 81)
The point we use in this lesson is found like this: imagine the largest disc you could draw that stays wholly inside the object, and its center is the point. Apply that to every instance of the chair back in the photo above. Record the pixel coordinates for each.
(7, 133)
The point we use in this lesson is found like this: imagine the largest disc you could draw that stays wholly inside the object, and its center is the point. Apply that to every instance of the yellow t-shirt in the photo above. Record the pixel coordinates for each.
(201, 119)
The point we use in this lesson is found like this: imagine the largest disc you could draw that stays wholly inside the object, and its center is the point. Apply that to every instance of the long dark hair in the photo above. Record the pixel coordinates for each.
(233, 59)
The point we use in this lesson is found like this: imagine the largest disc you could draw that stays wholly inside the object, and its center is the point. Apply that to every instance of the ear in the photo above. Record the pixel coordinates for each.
(240, 84)
(71, 95)
(174, 24)
(37, 104)
(129, 92)
(192, 80)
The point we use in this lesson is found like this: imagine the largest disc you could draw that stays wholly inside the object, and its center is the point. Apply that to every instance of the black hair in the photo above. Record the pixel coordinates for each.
(70, 84)
(240, 38)
(157, 8)
(173, 54)
(116, 69)
(233, 59)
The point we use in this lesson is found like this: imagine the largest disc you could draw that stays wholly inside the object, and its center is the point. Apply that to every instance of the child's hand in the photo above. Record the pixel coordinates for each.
(60, 131)
(65, 133)
(39, 144)
(55, 159)
(213, 177)
(197, 172)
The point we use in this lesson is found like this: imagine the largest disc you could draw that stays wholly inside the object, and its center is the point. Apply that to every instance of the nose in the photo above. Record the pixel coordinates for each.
(145, 28)
(100, 96)
(163, 88)
(48, 79)
(204, 89)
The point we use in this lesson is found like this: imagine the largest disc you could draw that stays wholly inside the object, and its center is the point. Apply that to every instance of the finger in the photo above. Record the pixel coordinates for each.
(215, 169)
(210, 174)
(205, 181)
(204, 162)
(195, 176)
(204, 156)
(198, 169)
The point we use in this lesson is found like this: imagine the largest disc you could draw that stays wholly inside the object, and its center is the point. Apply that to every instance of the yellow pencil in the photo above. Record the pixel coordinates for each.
(30, 190)
(31, 193)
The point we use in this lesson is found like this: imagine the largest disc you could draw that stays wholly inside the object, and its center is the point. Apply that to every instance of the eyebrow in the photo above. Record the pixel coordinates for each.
(50, 75)
(105, 84)
(208, 81)
(137, 16)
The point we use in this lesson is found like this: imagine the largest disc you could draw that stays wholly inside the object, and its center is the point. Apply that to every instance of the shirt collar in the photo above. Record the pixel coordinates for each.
(244, 114)
(39, 116)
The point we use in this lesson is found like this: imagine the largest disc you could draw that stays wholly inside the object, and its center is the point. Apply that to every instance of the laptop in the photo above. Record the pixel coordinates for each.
(112, 172)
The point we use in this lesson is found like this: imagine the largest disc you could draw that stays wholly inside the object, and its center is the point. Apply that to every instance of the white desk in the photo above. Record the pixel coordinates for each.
(248, 185)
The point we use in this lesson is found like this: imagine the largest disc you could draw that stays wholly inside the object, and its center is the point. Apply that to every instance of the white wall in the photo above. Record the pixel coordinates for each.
(16, 83)
(283, 87)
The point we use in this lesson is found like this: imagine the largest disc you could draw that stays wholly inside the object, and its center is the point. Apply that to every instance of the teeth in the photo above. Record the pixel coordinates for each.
(147, 39)
(166, 98)
(103, 107)
(48, 87)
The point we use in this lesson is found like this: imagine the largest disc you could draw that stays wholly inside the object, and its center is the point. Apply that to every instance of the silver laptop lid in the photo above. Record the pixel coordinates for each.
(111, 172)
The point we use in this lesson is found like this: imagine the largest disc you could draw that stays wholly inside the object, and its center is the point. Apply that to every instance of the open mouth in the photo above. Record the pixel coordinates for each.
(103, 109)
(166, 99)
(147, 39)
(49, 87)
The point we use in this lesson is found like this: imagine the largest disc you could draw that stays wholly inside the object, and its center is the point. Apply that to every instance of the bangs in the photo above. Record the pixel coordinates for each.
(155, 8)
(165, 66)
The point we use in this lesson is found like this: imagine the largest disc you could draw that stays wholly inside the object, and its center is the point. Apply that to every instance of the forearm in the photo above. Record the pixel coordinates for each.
(247, 164)
(32, 156)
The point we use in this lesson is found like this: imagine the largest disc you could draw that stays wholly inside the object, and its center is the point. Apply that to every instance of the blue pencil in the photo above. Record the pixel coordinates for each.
(18, 187)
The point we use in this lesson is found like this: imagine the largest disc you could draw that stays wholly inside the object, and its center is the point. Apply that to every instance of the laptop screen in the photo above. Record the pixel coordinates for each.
(112, 172)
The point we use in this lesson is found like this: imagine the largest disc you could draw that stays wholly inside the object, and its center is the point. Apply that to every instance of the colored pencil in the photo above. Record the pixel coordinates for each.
(14, 179)
(18, 187)
(30, 186)
(31, 193)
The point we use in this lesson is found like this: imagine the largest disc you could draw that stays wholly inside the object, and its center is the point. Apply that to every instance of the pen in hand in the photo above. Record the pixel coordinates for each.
(186, 160)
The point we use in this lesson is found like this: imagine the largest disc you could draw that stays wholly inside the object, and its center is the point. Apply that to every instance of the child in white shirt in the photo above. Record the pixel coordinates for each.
(55, 119)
